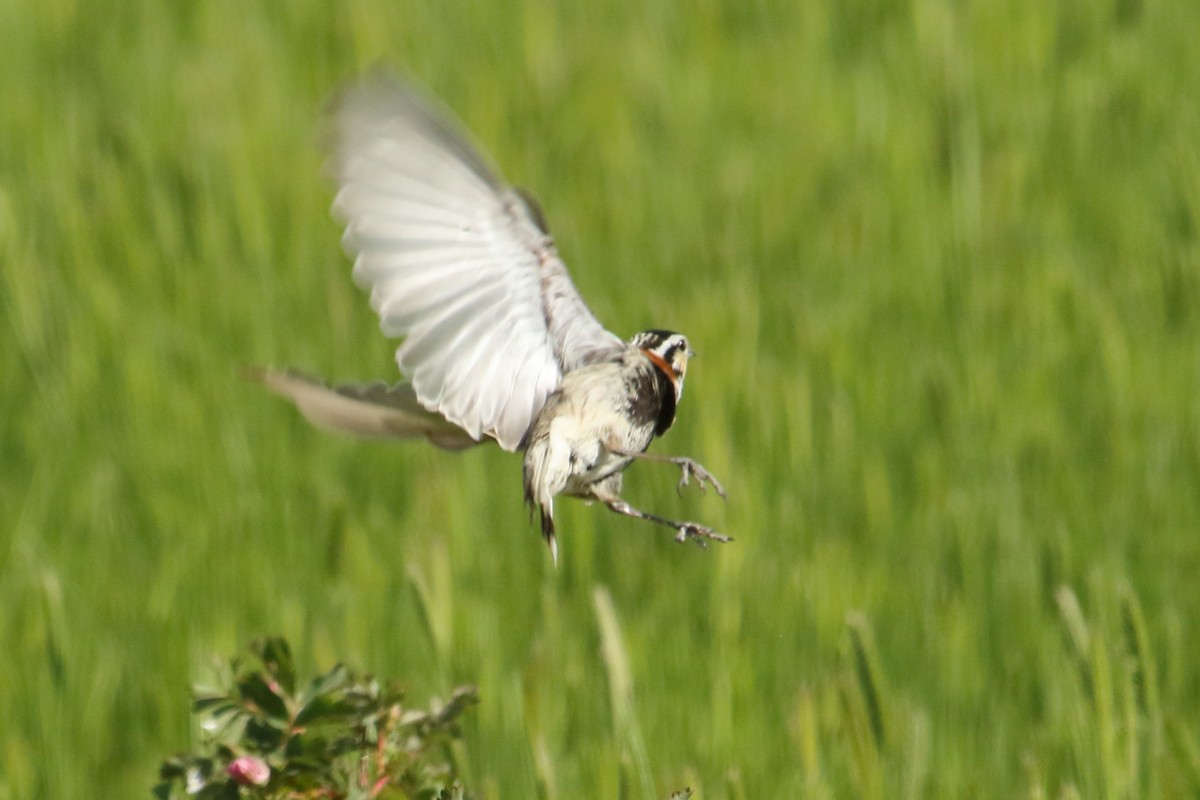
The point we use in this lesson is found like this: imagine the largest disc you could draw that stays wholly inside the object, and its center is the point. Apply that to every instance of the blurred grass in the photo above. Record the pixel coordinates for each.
(941, 264)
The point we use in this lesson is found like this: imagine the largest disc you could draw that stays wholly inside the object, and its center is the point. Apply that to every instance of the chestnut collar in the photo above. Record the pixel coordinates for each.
(661, 363)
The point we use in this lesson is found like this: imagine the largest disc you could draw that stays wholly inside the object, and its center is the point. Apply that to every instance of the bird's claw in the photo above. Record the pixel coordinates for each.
(699, 534)
(690, 470)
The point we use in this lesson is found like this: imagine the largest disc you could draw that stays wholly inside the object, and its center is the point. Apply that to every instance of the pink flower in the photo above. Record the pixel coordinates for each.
(249, 771)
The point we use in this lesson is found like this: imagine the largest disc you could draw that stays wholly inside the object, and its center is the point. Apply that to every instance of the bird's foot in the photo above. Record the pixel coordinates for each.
(700, 534)
(690, 470)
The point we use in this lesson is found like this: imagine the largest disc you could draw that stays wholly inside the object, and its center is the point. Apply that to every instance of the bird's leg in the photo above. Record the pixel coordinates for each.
(683, 530)
(690, 468)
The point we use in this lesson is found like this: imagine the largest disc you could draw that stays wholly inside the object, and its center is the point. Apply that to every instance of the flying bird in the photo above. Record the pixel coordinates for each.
(497, 343)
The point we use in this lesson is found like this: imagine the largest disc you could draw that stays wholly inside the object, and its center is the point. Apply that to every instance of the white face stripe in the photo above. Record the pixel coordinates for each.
(661, 342)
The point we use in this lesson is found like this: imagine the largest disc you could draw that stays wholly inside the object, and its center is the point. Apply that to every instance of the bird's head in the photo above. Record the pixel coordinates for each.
(669, 351)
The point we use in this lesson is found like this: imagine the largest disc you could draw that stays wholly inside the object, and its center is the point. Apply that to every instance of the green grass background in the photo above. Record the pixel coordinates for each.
(941, 264)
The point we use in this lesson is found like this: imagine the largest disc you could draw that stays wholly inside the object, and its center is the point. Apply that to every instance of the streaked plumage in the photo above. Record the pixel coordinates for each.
(497, 343)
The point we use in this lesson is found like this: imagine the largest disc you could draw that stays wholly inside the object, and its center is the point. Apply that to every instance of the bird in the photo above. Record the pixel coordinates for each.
(497, 343)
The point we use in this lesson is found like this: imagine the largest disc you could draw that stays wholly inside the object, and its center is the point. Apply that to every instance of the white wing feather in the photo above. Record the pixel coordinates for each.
(457, 265)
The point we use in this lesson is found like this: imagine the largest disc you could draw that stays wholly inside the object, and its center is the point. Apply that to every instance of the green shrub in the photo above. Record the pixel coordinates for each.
(342, 735)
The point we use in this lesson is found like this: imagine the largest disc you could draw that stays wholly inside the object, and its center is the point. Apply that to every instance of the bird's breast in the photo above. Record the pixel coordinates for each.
(598, 411)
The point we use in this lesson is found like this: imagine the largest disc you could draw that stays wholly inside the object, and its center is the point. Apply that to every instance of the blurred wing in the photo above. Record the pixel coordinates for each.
(374, 411)
(457, 263)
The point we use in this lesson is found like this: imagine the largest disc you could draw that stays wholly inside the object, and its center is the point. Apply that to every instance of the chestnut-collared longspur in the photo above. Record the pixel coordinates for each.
(497, 343)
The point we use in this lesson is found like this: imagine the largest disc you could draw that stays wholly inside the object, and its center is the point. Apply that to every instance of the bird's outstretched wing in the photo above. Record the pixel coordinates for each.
(457, 263)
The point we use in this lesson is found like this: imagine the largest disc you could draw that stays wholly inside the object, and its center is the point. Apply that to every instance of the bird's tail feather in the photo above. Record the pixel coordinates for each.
(547, 513)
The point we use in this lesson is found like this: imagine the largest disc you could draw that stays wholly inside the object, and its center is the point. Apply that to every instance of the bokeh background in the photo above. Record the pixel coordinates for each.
(940, 261)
